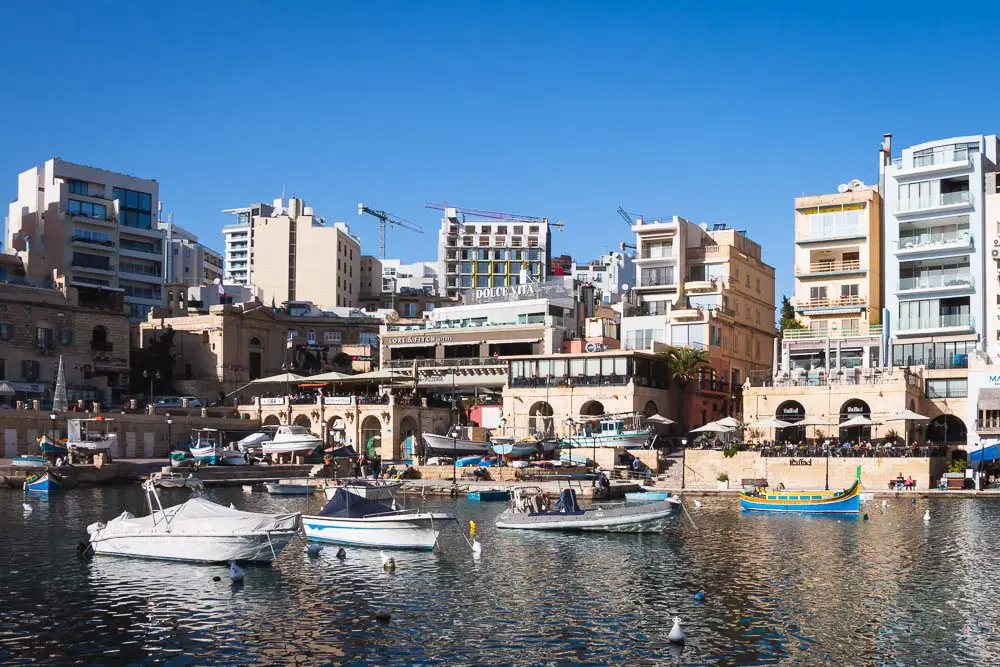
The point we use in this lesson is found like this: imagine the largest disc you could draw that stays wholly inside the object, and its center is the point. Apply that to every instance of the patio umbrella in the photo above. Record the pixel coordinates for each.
(659, 419)
(730, 422)
(860, 420)
(814, 421)
(712, 427)
(771, 423)
(276, 379)
(907, 416)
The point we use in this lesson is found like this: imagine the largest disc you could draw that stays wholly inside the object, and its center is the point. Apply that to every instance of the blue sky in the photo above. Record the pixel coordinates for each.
(717, 112)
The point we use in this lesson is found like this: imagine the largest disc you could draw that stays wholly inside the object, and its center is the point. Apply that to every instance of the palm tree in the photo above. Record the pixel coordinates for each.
(684, 364)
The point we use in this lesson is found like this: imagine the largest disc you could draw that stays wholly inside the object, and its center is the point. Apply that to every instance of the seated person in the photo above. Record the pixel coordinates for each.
(910, 483)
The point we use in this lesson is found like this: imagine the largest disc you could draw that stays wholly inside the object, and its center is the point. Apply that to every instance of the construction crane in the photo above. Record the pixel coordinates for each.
(387, 219)
(493, 215)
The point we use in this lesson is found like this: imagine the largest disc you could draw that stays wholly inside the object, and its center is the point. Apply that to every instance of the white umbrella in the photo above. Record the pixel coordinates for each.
(659, 419)
(815, 421)
(771, 423)
(276, 379)
(711, 427)
(907, 416)
(730, 422)
(326, 377)
(860, 420)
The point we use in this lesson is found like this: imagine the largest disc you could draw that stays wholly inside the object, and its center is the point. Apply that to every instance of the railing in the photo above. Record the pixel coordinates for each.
(870, 331)
(703, 251)
(939, 322)
(88, 267)
(847, 376)
(578, 381)
(943, 199)
(446, 324)
(445, 363)
(81, 239)
(659, 255)
(845, 232)
(831, 266)
(697, 284)
(841, 451)
(834, 302)
(935, 241)
(989, 425)
(936, 282)
(721, 310)
(936, 157)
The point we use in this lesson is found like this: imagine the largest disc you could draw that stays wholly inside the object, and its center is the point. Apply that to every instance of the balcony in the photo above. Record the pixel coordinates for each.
(721, 311)
(458, 362)
(870, 331)
(934, 243)
(710, 285)
(694, 313)
(99, 270)
(988, 426)
(938, 159)
(703, 252)
(829, 268)
(844, 302)
(83, 242)
(945, 200)
(89, 219)
(936, 283)
(961, 323)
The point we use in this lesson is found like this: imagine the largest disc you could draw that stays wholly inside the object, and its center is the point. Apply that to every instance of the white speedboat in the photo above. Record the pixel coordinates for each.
(290, 489)
(527, 511)
(86, 437)
(350, 519)
(452, 445)
(197, 530)
(369, 489)
(290, 440)
(232, 457)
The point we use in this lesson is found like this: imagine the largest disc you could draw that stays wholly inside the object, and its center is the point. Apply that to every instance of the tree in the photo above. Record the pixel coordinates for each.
(684, 364)
(788, 320)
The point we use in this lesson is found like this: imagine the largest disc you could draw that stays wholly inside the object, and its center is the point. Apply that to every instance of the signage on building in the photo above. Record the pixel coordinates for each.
(429, 340)
(518, 292)
(800, 462)
(336, 400)
(361, 357)
(28, 387)
(596, 347)
(272, 401)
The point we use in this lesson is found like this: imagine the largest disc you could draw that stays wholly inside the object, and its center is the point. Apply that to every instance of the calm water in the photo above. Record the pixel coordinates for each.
(779, 590)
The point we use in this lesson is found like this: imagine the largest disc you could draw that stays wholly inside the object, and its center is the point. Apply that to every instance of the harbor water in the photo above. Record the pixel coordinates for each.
(788, 590)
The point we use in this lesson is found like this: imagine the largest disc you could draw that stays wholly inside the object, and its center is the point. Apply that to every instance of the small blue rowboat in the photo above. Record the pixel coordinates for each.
(468, 461)
(647, 496)
(44, 483)
(488, 495)
(847, 501)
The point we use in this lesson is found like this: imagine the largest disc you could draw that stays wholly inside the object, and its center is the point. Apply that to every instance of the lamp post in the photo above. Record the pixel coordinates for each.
(684, 446)
(569, 426)
(155, 375)
(52, 417)
(170, 440)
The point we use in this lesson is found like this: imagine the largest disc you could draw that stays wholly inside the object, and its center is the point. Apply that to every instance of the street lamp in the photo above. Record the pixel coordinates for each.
(684, 446)
(155, 375)
(170, 440)
(52, 417)
(569, 427)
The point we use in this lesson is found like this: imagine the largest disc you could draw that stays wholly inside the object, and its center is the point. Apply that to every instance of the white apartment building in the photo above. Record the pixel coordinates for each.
(608, 274)
(96, 227)
(239, 241)
(490, 253)
(187, 261)
(398, 277)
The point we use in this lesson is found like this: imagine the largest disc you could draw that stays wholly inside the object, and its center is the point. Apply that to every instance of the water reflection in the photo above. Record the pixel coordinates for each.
(779, 590)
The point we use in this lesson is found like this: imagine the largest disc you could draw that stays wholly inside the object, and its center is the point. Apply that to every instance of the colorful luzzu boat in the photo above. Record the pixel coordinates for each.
(44, 483)
(847, 501)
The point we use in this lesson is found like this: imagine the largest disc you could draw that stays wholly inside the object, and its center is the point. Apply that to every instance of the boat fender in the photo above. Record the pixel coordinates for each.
(865, 516)
(699, 596)
(95, 527)
(676, 635)
(313, 549)
(216, 578)
(235, 572)
(472, 529)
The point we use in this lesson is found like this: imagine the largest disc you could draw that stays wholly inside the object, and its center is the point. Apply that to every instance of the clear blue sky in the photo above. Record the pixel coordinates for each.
(715, 112)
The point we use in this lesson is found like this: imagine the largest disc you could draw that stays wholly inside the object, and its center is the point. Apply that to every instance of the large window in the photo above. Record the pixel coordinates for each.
(90, 236)
(934, 314)
(86, 261)
(934, 355)
(141, 269)
(87, 209)
(134, 208)
(688, 335)
(663, 275)
(657, 250)
(948, 388)
(834, 221)
(78, 187)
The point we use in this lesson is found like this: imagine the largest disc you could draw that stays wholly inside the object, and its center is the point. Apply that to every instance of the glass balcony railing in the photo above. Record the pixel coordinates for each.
(932, 241)
(946, 155)
(931, 201)
(936, 282)
(964, 321)
(870, 331)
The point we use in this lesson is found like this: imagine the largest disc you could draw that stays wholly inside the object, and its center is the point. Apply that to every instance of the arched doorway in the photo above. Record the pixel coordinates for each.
(791, 412)
(650, 409)
(409, 438)
(255, 358)
(272, 420)
(852, 409)
(540, 418)
(947, 430)
(303, 421)
(371, 436)
(336, 432)
(592, 409)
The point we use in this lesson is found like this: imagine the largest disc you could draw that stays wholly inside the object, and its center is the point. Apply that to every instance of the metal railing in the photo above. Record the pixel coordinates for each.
(936, 281)
(846, 376)
(988, 425)
(703, 251)
(870, 331)
(566, 381)
(831, 266)
(935, 241)
(833, 302)
(944, 155)
(444, 363)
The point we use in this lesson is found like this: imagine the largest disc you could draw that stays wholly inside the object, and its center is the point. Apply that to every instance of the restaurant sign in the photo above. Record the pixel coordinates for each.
(429, 340)
(336, 400)
(272, 401)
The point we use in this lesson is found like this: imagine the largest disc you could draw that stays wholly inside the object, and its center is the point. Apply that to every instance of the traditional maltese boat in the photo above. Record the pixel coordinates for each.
(847, 501)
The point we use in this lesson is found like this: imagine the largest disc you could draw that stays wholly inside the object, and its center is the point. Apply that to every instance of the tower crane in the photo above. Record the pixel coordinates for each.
(493, 215)
(387, 219)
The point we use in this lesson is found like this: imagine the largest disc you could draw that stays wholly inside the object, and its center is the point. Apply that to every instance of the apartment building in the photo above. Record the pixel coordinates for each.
(291, 254)
(706, 289)
(189, 262)
(96, 227)
(491, 252)
(611, 274)
(371, 277)
(838, 284)
(419, 276)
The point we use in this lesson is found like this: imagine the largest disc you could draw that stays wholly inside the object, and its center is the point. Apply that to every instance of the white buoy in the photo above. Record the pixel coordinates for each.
(341, 554)
(697, 503)
(927, 515)
(477, 549)
(27, 507)
(388, 562)
(676, 635)
(313, 549)
(247, 488)
(235, 572)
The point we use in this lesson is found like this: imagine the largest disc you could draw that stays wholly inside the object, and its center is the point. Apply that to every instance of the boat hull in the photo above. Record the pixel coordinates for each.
(416, 531)
(443, 445)
(259, 548)
(30, 462)
(209, 455)
(491, 495)
(277, 489)
(626, 440)
(380, 491)
(804, 502)
(515, 449)
(636, 519)
(647, 496)
(46, 483)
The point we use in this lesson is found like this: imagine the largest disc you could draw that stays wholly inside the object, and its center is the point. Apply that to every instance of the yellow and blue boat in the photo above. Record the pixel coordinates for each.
(47, 482)
(847, 501)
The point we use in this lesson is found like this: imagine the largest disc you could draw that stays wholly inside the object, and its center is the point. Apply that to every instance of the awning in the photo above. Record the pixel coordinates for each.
(6, 389)
(991, 453)
(989, 398)
(396, 346)
(462, 342)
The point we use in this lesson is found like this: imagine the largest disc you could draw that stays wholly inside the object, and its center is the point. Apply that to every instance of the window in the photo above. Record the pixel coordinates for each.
(758, 284)
(134, 208)
(90, 236)
(715, 336)
(482, 254)
(736, 273)
(84, 260)
(409, 309)
(30, 370)
(849, 291)
(948, 388)
(66, 336)
(311, 336)
(333, 337)
(3, 369)
(748, 279)
(465, 281)
(482, 281)
(78, 187)
(43, 337)
(817, 293)
(87, 210)
(482, 267)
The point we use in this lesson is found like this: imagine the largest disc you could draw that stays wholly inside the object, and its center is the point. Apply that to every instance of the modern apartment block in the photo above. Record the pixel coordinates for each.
(838, 286)
(188, 262)
(608, 274)
(491, 253)
(708, 290)
(96, 227)
(418, 276)
(291, 254)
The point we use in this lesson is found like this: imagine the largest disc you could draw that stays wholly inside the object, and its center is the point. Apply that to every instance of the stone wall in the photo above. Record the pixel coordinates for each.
(702, 468)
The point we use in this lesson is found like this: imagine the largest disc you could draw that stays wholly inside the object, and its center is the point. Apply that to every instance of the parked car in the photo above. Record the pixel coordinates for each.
(177, 402)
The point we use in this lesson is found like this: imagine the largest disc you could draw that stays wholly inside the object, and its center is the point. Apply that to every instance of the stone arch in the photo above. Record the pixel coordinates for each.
(540, 418)
(855, 407)
(409, 438)
(947, 429)
(302, 420)
(271, 420)
(650, 409)
(592, 409)
(254, 341)
(336, 431)
(791, 412)
(371, 427)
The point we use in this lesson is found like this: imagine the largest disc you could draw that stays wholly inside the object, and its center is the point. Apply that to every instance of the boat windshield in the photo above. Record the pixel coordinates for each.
(298, 430)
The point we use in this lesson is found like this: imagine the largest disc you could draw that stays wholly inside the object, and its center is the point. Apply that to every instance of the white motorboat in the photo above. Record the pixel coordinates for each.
(175, 480)
(350, 519)
(291, 439)
(527, 511)
(232, 457)
(369, 489)
(290, 489)
(86, 437)
(452, 445)
(253, 443)
(197, 530)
